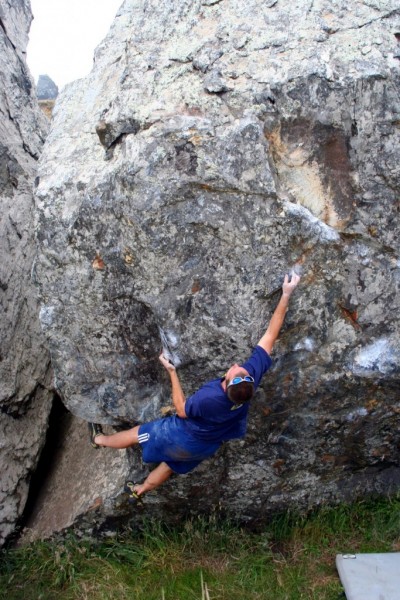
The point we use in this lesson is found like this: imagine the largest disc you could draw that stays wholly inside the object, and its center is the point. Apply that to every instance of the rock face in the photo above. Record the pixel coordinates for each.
(24, 361)
(46, 89)
(214, 146)
(78, 484)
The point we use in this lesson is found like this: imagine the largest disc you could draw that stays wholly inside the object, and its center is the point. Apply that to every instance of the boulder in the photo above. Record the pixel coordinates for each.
(78, 486)
(46, 89)
(214, 146)
(25, 377)
(47, 92)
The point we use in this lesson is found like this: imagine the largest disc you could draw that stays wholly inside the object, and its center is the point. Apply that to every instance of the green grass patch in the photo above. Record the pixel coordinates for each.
(292, 558)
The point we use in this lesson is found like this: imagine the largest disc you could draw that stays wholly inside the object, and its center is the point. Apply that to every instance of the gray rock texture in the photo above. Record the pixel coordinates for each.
(214, 146)
(78, 483)
(24, 361)
(46, 89)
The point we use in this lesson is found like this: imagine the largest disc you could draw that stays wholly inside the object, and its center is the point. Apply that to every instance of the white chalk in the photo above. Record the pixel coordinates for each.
(169, 342)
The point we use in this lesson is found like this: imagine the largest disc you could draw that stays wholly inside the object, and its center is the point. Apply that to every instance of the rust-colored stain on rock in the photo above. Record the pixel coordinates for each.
(312, 163)
(98, 263)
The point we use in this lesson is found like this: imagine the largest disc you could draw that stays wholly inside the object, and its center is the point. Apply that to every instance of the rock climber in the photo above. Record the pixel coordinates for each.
(217, 412)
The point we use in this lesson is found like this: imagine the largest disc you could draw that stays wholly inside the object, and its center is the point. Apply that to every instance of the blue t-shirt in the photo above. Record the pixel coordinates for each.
(212, 416)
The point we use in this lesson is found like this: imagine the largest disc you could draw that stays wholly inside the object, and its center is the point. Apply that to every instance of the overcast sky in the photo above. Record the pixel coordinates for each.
(64, 34)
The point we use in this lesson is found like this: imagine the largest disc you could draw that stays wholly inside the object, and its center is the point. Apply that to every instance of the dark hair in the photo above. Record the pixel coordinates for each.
(240, 392)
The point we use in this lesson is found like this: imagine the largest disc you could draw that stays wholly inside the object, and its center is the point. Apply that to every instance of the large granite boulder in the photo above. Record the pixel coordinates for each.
(25, 378)
(214, 146)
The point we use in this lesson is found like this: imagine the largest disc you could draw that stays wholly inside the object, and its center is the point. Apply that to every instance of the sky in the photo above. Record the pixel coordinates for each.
(64, 35)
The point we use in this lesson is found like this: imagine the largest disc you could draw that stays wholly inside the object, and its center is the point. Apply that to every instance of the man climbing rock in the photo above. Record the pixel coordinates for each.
(217, 412)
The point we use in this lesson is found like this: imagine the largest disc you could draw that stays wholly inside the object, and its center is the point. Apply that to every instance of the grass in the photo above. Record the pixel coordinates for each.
(292, 558)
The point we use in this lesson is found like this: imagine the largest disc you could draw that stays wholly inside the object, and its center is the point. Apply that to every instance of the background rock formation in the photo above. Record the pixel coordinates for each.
(24, 361)
(47, 92)
(46, 89)
(214, 146)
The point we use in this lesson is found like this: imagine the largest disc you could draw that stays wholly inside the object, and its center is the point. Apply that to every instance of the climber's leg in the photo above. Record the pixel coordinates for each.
(158, 476)
(122, 439)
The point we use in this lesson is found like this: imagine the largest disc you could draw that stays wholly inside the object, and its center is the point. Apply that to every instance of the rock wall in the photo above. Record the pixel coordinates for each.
(214, 146)
(24, 361)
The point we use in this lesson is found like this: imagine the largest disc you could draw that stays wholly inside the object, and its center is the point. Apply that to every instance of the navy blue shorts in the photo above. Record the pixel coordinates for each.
(167, 440)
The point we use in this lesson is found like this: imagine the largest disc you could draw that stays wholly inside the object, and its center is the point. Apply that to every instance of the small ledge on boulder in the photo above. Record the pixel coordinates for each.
(215, 83)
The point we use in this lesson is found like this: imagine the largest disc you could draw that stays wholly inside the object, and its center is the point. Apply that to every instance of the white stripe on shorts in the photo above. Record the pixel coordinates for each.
(143, 437)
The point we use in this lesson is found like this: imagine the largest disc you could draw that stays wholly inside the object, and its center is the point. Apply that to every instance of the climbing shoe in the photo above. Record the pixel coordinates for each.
(133, 497)
(94, 429)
